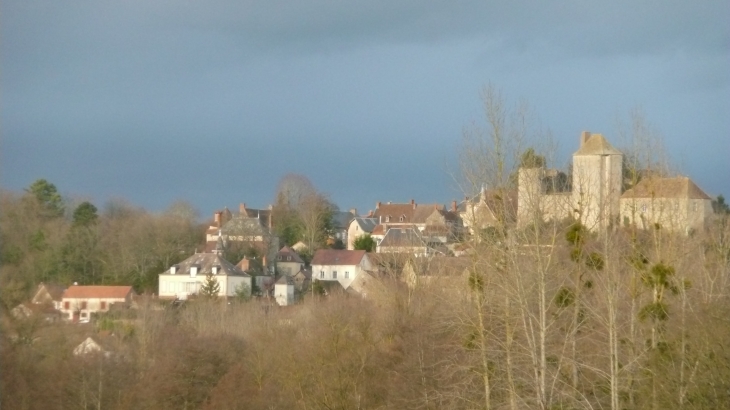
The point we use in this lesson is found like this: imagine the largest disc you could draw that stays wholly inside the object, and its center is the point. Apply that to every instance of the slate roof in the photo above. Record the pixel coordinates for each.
(205, 263)
(402, 237)
(285, 280)
(262, 214)
(337, 257)
(341, 220)
(597, 145)
(495, 200)
(54, 291)
(679, 187)
(288, 252)
(102, 292)
(245, 226)
(366, 224)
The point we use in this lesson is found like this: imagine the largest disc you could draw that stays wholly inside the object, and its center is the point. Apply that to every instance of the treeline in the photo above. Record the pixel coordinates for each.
(555, 317)
(44, 238)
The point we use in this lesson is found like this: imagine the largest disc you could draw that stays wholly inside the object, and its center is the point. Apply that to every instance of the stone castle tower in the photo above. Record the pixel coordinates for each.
(596, 188)
(597, 176)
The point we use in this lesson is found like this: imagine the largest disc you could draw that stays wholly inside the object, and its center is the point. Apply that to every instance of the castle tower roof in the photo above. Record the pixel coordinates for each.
(597, 145)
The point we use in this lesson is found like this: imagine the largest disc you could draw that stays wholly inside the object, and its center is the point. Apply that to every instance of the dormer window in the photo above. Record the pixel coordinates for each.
(288, 258)
(173, 269)
(402, 218)
(215, 269)
(387, 218)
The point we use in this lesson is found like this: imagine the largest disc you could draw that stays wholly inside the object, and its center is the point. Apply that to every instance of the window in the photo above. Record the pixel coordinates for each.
(694, 206)
(103, 305)
(67, 305)
(334, 274)
(83, 314)
(321, 274)
(347, 274)
(402, 218)
(643, 207)
(83, 305)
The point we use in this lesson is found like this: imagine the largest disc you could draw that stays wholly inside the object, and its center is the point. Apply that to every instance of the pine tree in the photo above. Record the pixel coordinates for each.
(210, 288)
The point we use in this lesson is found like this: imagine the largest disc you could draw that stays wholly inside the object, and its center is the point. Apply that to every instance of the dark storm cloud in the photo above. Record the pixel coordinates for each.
(274, 85)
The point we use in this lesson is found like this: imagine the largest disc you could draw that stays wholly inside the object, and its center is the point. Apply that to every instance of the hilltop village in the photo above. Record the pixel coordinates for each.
(600, 286)
(597, 196)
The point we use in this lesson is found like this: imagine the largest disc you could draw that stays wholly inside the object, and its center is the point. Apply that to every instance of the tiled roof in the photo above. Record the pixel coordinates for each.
(597, 145)
(337, 257)
(679, 187)
(205, 263)
(103, 292)
(409, 213)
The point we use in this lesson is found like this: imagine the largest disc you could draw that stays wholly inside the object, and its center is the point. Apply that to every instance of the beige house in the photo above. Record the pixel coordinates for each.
(676, 204)
(79, 302)
(288, 262)
(487, 209)
(187, 277)
(341, 266)
(48, 294)
(359, 227)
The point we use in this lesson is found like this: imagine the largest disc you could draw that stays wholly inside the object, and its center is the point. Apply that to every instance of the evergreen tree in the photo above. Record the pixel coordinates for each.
(210, 288)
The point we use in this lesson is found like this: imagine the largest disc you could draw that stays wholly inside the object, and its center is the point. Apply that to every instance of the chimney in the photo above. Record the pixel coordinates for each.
(244, 264)
(453, 206)
(242, 209)
(370, 213)
(377, 205)
(413, 204)
(353, 211)
(584, 136)
(217, 218)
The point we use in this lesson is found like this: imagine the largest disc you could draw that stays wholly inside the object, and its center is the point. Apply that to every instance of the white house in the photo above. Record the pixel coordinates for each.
(78, 302)
(284, 291)
(187, 277)
(342, 266)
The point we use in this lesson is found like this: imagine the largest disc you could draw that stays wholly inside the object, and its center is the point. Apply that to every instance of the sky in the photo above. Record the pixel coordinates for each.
(213, 102)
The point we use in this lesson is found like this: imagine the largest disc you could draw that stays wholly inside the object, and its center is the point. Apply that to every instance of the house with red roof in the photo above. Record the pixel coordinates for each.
(343, 266)
(79, 302)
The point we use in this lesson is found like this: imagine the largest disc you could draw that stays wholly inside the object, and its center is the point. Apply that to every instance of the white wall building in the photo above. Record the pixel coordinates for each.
(79, 302)
(339, 265)
(187, 277)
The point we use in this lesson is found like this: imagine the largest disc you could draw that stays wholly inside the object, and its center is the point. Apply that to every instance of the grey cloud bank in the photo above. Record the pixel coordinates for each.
(213, 102)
